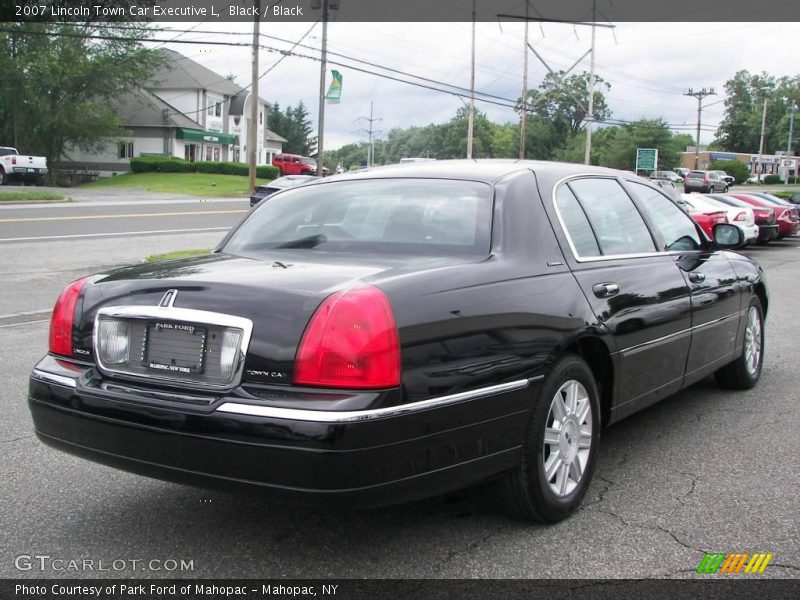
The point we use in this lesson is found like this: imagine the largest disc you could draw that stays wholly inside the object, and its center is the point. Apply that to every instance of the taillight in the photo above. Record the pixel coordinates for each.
(351, 342)
(63, 314)
(13, 160)
(705, 181)
(740, 217)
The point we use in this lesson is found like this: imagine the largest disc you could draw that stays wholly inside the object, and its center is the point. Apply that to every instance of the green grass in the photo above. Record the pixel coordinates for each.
(31, 196)
(193, 184)
(177, 254)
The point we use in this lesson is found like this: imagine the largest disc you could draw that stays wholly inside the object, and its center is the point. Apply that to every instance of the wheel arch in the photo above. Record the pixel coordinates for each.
(760, 290)
(595, 352)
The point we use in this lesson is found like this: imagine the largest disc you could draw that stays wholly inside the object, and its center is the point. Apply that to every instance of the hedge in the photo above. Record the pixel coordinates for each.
(772, 179)
(165, 164)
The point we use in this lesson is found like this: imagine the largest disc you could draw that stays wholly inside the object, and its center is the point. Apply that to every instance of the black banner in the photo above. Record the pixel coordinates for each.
(350, 589)
(209, 11)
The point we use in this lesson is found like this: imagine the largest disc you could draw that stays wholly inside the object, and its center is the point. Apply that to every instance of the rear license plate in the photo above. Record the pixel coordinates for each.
(175, 347)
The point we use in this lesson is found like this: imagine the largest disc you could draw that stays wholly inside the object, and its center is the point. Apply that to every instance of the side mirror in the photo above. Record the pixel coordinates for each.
(727, 236)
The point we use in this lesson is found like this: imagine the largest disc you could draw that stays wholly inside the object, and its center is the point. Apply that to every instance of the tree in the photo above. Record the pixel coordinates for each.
(564, 101)
(740, 129)
(295, 126)
(736, 168)
(616, 146)
(58, 85)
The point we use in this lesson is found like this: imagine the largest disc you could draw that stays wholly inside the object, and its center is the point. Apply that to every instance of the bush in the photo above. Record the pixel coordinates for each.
(160, 164)
(266, 172)
(736, 169)
(168, 164)
(772, 179)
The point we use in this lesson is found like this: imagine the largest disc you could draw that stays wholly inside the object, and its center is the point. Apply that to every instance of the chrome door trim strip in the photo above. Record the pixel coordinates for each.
(355, 416)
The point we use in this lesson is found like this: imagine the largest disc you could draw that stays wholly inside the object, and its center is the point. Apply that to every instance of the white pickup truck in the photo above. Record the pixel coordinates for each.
(16, 166)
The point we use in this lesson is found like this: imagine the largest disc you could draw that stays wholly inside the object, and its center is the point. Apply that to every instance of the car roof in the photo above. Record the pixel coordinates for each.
(485, 170)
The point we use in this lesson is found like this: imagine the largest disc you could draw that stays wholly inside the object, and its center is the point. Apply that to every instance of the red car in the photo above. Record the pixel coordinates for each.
(785, 216)
(706, 220)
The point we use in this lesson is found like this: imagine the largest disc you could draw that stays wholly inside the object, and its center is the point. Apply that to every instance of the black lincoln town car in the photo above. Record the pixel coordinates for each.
(402, 332)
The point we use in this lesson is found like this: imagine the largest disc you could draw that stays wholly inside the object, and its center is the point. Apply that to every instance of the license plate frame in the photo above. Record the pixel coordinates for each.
(159, 335)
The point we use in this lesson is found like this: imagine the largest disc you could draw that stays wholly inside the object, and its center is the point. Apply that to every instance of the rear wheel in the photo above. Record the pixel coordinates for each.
(3, 177)
(561, 439)
(744, 372)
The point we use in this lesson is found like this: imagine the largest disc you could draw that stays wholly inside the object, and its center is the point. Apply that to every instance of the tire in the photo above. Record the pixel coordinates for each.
(744, 372)
(526, 492)
(725, 190)
(3, 177)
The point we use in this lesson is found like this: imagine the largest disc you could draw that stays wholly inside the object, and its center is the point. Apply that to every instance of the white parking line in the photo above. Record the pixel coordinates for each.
(110, 234)
(24, 323)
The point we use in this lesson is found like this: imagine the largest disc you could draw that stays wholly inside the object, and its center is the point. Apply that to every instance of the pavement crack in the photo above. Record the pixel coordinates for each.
(654, 527)
(681, 499)
(784, 566)
(12, 440)
(471, 547)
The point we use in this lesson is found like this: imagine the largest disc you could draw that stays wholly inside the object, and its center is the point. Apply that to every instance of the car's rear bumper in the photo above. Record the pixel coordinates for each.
(357, 458)
(750, 232)
(767, 232)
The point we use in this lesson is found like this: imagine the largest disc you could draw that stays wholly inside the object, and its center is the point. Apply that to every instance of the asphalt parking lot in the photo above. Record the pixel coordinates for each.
(706, 470)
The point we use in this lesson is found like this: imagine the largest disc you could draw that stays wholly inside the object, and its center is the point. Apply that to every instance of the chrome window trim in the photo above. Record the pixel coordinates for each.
(172, 313)
(53, 378)
(604, 257)
(356, 416)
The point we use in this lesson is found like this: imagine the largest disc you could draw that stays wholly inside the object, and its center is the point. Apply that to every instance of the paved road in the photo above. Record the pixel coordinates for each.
(705, 470)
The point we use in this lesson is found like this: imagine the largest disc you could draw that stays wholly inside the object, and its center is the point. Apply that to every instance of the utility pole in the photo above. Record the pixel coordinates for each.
(252, 129)
(587, 155)
(699, 94)
(792, 110)
(371, 131)
(763, 131)
(471, 120)
(524, 111)
(322, 72)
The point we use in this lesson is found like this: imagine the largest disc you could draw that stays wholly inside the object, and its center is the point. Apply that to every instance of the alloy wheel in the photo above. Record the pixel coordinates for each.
(753, 341)
(567, 438)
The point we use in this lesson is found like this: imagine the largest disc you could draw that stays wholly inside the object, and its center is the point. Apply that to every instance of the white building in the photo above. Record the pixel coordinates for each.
(185, 111)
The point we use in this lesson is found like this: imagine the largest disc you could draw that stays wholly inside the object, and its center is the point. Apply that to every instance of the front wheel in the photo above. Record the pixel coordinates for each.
(743, 373)
(561, 440)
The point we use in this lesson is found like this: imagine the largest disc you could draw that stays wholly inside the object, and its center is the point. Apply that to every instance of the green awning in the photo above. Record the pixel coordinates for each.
(210, 137)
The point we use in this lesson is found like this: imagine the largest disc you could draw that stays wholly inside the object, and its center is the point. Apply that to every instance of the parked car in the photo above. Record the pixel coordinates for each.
(743, 218)
(668, 175)
(755, 178)
(707, 219)
(764, 217)
(294, 164)
(704, 182)
(729, 179)
(401, 332)
(17, 167)
(276, 185)
(785, 215)
(794, 199)
(682, 171)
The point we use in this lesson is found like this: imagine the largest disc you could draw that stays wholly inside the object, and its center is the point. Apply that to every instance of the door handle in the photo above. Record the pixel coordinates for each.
(696, 277)
(605, 290)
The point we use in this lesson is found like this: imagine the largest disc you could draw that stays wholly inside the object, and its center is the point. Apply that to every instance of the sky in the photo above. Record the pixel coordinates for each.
(649, 66)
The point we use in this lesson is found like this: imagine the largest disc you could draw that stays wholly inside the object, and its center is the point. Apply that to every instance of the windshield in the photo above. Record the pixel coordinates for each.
(398, 216)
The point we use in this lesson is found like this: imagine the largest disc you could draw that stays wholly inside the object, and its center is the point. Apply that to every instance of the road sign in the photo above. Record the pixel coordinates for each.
(646, 159)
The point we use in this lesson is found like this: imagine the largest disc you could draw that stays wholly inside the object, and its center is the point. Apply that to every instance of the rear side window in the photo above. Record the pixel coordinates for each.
(576, 223)
(617, 224)
(416, 216)
(676, 228)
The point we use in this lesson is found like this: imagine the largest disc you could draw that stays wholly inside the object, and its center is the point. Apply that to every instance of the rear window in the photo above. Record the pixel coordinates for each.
(417, 216)
(697, 174)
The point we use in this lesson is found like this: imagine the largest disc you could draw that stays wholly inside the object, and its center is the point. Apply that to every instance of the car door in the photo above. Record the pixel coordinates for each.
(637, 292)
(715, 290)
